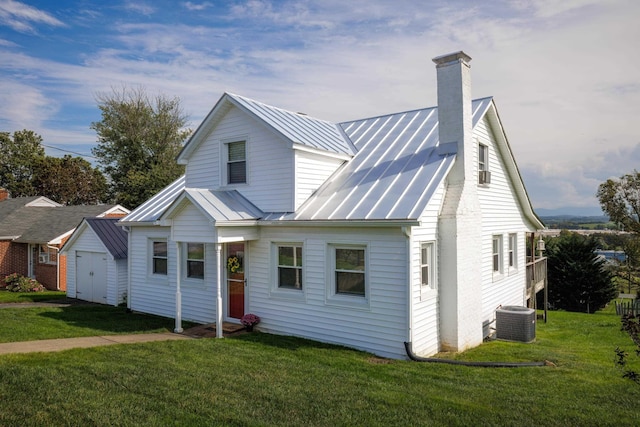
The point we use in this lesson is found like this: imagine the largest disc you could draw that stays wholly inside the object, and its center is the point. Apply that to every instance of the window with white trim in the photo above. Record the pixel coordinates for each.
(47, 255)
(513, 251)
(195, 260)
(289, 266)
(497, 254)
(159, 257)
(427, 265)
(350, 276)
(236, 162)
(483, 157)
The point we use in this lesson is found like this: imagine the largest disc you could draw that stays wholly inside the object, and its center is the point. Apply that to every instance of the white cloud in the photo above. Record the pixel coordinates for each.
(140, 7)
(196, 6)
(23, 18)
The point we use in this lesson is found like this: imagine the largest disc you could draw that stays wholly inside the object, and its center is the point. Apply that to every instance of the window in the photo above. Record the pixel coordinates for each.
(159, 257)
(350, 271)
(236, 162)
(513, 254)
(195, 260)
(427, 265)
(497, 254)
(483, 157)
(290, 266)
(47, 255)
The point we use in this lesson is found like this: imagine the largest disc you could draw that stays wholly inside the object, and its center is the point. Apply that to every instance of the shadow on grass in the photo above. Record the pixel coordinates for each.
(102, 318)
(289, 342)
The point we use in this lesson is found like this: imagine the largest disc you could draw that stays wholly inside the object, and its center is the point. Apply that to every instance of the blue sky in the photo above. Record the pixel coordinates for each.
(564, 74)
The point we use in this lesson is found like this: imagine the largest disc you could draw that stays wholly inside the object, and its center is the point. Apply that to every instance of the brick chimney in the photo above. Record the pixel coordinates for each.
(4, 194)
(460, 234)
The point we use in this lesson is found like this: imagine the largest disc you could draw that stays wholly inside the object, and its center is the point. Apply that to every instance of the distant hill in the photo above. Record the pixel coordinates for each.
(570, 211)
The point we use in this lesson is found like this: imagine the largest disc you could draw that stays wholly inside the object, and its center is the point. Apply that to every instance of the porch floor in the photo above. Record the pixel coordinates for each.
(209, 330)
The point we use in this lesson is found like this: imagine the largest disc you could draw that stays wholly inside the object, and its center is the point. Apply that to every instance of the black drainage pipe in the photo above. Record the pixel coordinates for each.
(414, 357)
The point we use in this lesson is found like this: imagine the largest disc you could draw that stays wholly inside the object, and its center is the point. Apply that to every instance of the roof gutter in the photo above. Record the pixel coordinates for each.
(342, 223)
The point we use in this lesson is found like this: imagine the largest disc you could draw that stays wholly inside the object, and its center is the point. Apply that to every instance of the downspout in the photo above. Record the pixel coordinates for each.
(128, 230)
(219, 291)
(416, 358)
(407, 232)
(178, 328)
(57, 266)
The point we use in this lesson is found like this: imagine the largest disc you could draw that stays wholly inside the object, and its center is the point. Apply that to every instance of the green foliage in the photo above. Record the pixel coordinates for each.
(576, 276)
(70, 181)
(138, 141)
(21, 155)
(620, 199)
(17, 283)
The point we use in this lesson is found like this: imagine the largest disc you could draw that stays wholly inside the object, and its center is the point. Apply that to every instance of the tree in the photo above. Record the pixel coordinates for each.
(20, 157)
(577, 278)
(620, 199)
(70, 181)
(138, 141)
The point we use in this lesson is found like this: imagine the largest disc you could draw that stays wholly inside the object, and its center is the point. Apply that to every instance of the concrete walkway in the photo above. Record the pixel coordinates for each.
(85, 342)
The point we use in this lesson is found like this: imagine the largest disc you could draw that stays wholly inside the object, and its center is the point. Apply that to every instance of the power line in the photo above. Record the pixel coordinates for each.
(69, 151)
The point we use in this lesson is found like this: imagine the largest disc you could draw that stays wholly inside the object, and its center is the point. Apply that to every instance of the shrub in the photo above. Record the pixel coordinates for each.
(17, 283)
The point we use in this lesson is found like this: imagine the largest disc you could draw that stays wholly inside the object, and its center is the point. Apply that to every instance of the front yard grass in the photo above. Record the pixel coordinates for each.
(262, 379)
(23, 297)
(39, 323)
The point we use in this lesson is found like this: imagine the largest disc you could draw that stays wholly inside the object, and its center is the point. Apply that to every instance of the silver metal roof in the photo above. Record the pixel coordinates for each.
(299, 128)
(222, 206)
(393, 175)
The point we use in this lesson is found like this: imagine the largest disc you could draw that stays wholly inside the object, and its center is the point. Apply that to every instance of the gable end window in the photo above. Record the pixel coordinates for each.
(159, 257)
(236, 162)
(290, 266)
(484, 176)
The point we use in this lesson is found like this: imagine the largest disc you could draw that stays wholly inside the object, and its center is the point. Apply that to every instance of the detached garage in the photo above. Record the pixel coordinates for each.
(97, 261)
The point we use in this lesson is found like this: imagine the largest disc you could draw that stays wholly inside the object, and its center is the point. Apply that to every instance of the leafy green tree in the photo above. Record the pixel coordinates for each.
(577, 278)
(21, 154)
(138, 141)
(620, 199)
(70, 181)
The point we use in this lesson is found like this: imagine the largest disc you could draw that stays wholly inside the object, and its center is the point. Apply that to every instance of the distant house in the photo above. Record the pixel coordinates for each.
(97, 261)
(408, 227)
(32, 230)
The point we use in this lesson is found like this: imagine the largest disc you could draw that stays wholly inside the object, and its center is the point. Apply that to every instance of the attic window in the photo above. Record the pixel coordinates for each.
(484, 176)
(236, 163)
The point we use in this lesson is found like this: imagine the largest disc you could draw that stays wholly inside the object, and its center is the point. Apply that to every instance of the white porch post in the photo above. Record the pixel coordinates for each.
(178, 329)
(219, 291)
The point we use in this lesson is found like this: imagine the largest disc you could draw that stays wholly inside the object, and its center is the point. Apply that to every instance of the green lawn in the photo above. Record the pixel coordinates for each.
(261, 379)
(25, 324)
(20, 297)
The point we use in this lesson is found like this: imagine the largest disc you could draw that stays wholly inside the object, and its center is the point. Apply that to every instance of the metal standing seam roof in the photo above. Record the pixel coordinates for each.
(393, 175)
(298, 127)
(395, 172)
(113, 237)
(222, 206)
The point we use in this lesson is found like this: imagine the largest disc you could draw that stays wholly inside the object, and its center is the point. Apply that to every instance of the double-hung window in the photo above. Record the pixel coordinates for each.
(427, 265)
(513, 251)
(236, 162)
(159, 257)
(350, 271)
(290, 266)
(195, 260)
(497, 254)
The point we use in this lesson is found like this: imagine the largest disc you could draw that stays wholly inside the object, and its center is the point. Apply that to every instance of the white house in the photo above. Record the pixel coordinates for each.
(409, 227)
(97, 261)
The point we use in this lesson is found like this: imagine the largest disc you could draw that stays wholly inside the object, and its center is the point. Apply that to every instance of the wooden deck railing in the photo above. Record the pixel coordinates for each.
(536, 275)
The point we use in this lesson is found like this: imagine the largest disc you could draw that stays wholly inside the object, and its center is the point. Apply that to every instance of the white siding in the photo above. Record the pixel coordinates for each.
(155, 294)
(190, 225)
(269, 162)
(501, 215)
(88, 241)
(425, 303)
(312, 170)
(380, 327)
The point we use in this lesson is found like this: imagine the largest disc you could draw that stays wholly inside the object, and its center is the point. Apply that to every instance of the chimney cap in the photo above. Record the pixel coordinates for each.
(449, 58)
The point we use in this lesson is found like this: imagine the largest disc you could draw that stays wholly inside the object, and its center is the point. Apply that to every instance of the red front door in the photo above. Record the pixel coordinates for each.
(235, 280)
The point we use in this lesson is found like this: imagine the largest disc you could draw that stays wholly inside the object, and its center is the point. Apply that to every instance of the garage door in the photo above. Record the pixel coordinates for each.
(91, 276)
